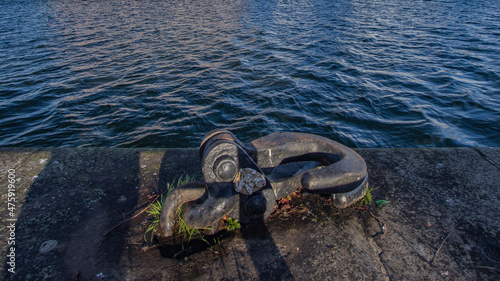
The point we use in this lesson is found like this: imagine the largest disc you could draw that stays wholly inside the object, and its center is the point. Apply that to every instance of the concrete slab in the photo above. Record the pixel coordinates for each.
(441, 222)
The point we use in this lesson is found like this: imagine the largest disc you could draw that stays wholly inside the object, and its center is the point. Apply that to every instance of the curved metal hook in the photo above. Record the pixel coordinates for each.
(342, 170)
(180, 195)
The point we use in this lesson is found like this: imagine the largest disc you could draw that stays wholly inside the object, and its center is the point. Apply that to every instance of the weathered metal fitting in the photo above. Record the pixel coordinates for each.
(344, 200)
(226, 168)
(249, 181)
(243, 181)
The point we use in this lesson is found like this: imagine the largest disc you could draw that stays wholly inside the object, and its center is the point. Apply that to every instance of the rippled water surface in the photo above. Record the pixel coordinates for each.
(379, 73)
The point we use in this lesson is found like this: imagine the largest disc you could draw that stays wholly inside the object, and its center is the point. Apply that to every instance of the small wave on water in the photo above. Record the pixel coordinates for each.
(163, 73)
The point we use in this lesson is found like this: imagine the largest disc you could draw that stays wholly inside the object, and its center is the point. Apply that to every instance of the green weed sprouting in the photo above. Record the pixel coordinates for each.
(368, 197)
(232, 224)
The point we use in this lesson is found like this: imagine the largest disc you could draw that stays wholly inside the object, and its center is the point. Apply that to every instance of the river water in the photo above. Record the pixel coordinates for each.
(367, 73)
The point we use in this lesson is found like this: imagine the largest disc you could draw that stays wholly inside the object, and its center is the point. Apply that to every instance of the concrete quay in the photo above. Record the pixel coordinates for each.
(441, 222)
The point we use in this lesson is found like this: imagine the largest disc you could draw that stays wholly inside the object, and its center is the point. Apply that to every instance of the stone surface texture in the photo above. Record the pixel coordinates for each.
(441, 222)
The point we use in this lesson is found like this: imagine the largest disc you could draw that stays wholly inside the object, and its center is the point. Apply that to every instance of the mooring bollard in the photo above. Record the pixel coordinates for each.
(243, 181)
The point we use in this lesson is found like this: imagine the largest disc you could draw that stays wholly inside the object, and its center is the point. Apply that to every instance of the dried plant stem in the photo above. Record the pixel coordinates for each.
(487, 267)
(152, 199)
(440, 246)
(135, 216)
(381, 224)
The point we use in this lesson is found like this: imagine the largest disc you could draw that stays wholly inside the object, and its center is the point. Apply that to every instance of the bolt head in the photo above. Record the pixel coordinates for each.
(256, 205)
(226, 169)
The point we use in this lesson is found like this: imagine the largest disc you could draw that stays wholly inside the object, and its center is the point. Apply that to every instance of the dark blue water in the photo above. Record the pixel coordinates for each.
(377, 73)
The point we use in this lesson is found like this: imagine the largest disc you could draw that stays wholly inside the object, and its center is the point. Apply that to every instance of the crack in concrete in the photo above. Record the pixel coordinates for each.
(387, 267)
(377, 248)
(482, 154)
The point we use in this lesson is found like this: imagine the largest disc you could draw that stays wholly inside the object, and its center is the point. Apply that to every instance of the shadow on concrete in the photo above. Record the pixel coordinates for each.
(260, 245)
(74, 200)
(77, 195)
(176, 163)
(264, 253)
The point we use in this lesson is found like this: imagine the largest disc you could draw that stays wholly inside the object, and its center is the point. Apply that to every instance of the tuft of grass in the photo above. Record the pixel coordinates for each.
(188, 233)
(180, 181)
(154, 209)
(368, 197)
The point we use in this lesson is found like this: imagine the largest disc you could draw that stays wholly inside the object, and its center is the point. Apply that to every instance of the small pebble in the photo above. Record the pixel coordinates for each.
(48, 246)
